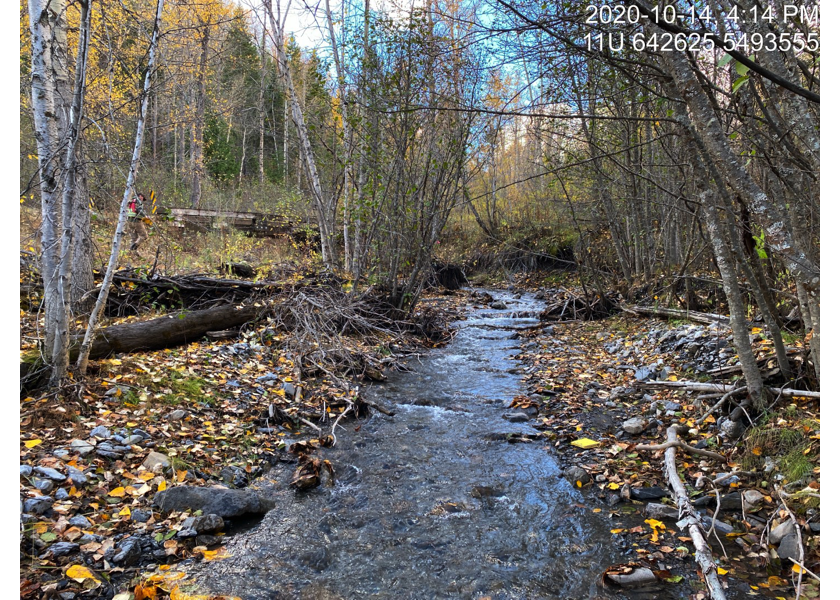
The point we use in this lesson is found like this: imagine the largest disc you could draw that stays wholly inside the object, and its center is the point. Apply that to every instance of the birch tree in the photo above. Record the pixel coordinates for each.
(57, 176)
(325, 207)
(84, 351)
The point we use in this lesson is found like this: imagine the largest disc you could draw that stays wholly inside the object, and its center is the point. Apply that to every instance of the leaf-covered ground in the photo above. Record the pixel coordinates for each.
(223, 412)
(583, 380)
(93, 456)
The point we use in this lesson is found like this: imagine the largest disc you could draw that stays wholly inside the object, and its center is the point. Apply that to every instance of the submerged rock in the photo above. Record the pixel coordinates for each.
(661, 511)
(517, 417)
(225, 503)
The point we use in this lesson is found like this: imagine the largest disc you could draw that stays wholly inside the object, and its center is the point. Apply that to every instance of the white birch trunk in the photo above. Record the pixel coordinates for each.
(61, 339)
(84, 352)
(307, 154)
(46, 139)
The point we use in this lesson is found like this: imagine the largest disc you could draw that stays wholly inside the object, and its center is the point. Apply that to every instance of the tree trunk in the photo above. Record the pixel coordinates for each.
(84, 351)
(197, 140)
(59, 351)
(261, 107)
(737, 312)
(82, 276)
(345, 138)
(715, 142)
(46, 139)
(323, 210)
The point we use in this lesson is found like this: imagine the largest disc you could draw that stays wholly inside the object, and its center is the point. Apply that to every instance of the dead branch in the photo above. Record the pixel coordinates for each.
(703, 554)
(673, 313)
(696, 386)
(350, 406)
(381, 409)
(677, 443)
(806, 569)
(721, 402)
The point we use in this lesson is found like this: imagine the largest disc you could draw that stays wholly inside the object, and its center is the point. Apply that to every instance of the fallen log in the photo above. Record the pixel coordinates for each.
(674, 313)
(696, 386)
(131, 294)
(164, 332)
(688, 516)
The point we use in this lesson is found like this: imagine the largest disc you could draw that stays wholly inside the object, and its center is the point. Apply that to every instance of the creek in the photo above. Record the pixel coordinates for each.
(433, 502)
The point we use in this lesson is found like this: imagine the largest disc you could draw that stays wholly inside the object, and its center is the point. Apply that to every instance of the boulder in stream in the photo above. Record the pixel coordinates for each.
(225, 503)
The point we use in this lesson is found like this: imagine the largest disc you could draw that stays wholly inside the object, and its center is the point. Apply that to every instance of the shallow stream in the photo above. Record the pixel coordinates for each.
(433, 502)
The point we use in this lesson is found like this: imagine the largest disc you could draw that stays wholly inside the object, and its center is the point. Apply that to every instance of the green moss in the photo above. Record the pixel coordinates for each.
(174, 387)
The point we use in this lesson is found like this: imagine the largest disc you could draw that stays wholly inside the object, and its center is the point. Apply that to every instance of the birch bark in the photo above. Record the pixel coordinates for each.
(323, 209)
(84, 352)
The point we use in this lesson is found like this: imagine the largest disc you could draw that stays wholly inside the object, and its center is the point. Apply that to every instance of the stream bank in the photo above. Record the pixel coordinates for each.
(596, 381)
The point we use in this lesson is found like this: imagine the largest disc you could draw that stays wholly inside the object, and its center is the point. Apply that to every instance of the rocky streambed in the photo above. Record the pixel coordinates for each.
(457, 495)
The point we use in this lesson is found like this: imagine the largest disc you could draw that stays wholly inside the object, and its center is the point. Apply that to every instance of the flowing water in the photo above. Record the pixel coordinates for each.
(433, 502)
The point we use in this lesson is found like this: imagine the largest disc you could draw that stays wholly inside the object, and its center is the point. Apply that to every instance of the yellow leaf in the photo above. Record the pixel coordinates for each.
(215, 554)
(125, 512)
(585, 443)
(798, 569)
(613, 486)
(32, 443)
(756, 451)
(79, 573)
(596, 510)
(147, 476)
(722, 571)
(616, 531)
(180, 475)
(117, 492)
(162, 486)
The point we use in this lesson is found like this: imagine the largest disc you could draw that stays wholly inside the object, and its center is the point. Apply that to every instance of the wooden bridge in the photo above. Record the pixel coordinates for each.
(252, 223)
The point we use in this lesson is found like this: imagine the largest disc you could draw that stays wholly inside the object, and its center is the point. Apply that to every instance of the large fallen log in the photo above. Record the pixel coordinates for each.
(674, 313)
(164, 332)
(132, 294)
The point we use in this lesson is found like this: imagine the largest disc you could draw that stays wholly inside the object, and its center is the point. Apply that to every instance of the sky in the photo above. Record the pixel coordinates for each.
(310, 32)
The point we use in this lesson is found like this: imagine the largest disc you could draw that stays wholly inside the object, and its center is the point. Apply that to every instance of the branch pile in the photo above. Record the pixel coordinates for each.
(569, 306)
